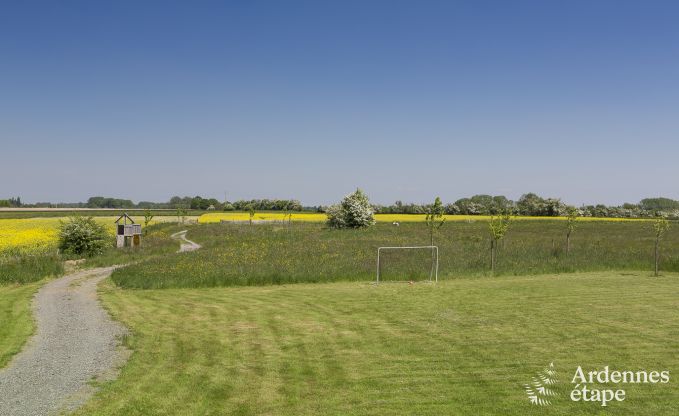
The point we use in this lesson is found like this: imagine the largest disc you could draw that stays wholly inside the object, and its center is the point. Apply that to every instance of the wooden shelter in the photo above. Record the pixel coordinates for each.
(127, 235)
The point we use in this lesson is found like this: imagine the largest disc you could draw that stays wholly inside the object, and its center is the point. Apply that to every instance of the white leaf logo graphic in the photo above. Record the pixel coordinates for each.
(538, 391)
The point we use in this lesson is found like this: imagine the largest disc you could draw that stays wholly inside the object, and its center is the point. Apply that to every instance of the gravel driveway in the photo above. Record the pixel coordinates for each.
(76, 342)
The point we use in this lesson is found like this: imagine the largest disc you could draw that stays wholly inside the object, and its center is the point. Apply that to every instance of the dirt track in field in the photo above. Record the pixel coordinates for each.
(186, 244)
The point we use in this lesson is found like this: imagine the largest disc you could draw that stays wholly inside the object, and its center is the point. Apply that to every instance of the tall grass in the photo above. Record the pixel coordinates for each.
(241, 255)
(21, 268)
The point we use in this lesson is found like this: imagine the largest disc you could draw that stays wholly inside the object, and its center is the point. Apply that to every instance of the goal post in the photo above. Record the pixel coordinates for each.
(433, 273)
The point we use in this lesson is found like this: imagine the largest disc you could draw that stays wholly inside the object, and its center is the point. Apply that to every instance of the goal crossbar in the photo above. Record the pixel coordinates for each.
(435, 267)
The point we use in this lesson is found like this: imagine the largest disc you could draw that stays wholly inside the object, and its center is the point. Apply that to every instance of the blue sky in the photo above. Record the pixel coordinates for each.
(309, 100)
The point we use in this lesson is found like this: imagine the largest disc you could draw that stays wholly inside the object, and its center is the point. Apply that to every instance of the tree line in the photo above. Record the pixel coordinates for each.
(186, 202)
(529, 204)
(536, 206)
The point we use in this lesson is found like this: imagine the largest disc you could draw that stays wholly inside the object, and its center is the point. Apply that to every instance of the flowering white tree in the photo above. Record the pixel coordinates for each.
(354, 211)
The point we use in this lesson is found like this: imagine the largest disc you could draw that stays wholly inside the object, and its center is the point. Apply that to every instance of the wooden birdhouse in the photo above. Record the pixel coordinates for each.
(128, 233)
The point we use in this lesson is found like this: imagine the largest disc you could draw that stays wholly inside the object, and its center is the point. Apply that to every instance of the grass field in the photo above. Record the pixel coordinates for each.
(462, 347)
(240, 254)
(216, 217)
(16, 318)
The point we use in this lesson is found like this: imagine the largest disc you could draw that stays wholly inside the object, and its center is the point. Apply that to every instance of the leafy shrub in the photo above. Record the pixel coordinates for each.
(354, 211)
(83, 236)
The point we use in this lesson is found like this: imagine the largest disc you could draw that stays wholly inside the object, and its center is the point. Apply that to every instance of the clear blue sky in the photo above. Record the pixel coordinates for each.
(309, 100)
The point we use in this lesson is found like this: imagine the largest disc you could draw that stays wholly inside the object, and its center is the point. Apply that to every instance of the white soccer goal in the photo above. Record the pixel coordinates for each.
(433, 273)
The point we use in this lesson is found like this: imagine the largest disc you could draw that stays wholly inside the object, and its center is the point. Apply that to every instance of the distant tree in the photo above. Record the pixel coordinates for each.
(660, 226)
(529, 204)
(571, 225)
(354, 211)
(434, 218)
(228, 206)
(498, 227)
(104, 202)
(659, 204)
(452, 209)
(148, 216)
(198, 202)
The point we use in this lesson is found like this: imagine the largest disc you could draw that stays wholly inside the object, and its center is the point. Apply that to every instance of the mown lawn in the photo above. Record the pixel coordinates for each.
(462, 347)
(16, 319)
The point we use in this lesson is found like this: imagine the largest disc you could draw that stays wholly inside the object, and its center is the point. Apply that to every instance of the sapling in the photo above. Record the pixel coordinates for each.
(181, 215)
(498, 227)
(251, 212)
(148, 216)
(434, 221)
(660, 226)
(571, 225)
(434, 218)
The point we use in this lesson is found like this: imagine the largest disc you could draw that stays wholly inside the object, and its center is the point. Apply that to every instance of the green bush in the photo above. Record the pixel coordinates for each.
(83, 236)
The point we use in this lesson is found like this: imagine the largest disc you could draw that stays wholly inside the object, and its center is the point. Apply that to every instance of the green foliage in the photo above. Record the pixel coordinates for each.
(571, 225)
(83, 236)
(201, 203)
(659, 204)
(660, 226)
(571, 220)
(499, 225)
(104, 202)
(181, 214)
(268, 205)
(148, 216)
(251, 213)
(533, 205)
(354, 211)
(12, 202)
(434, 218)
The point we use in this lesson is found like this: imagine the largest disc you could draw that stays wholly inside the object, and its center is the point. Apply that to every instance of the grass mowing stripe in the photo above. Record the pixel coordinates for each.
(460, 347)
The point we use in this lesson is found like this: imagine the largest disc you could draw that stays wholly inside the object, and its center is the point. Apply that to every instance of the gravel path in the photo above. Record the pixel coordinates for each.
(185, 243)
(76, 342)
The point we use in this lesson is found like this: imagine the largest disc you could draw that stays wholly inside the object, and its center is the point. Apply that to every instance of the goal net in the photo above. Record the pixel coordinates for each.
(407, 264)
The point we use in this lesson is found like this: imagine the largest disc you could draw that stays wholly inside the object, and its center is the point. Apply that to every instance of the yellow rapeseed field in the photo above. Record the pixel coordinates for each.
(28, 234)
(32, 234)
(215, 217)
